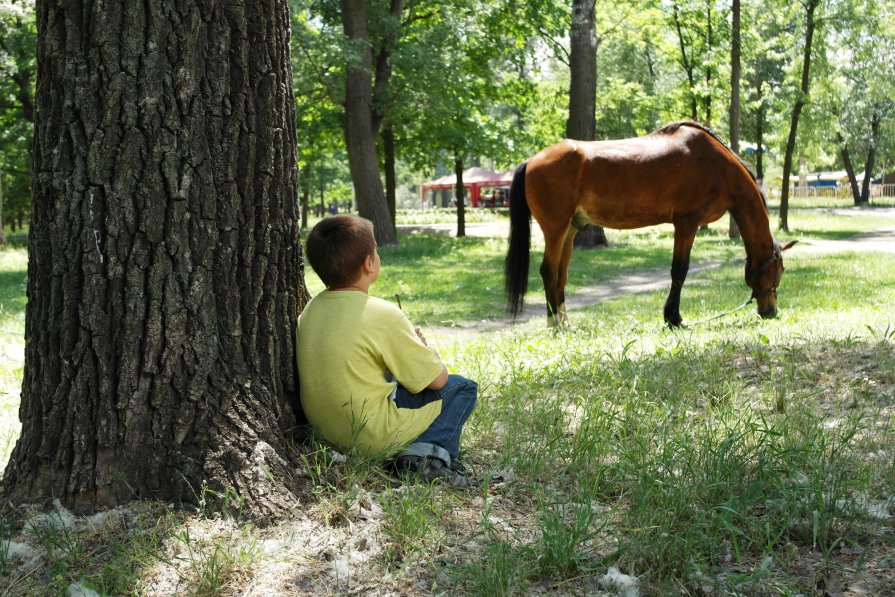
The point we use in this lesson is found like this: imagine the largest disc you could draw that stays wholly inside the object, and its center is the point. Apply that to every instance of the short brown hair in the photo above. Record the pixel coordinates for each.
(337, 247)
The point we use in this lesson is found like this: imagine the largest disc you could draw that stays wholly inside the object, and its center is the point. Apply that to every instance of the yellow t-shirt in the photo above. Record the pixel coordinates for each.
(346, 344)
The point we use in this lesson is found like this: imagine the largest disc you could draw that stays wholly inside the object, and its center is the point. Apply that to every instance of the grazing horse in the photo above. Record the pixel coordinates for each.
(681, 173)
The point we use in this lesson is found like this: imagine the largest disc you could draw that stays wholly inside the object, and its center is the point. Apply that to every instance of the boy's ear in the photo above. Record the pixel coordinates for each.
(368, 264)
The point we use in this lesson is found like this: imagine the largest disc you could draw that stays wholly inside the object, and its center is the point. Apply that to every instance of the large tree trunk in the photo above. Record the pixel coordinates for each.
(871, 156)
(582, 122)
(733, 231)
(360, 138)
(164, 275)
(810, 7)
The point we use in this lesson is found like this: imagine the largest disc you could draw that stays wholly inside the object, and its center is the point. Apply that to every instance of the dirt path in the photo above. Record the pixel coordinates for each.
(881, 240)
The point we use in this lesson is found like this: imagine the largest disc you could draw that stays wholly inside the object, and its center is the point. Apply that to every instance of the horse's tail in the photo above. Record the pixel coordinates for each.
(516, 265)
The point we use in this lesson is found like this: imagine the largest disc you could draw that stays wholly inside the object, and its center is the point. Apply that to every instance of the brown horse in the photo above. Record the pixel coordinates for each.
(681, 173)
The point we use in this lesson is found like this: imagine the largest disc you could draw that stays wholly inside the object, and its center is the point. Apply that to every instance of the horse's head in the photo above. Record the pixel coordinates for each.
(764, 278)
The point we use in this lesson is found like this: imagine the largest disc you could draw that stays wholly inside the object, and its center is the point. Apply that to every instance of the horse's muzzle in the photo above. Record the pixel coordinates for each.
(769, 312)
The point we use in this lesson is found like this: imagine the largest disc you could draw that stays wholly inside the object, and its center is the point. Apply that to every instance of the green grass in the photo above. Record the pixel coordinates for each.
(718, 445)
(797, 202)
(443, 280)
(742, 455)
(13, 276)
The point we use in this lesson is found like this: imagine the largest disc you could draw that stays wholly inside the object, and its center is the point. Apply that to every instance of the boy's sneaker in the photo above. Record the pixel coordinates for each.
(429, 468)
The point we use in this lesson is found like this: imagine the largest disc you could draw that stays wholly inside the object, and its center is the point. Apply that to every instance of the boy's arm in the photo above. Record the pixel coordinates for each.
(439, 381)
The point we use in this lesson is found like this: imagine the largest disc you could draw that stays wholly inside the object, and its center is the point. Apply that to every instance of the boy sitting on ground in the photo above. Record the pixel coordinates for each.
(368, 379)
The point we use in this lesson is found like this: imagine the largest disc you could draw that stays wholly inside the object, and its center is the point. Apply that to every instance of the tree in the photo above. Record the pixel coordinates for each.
(164, 272)
(17, 35)
(810, 7)
(582, 122)
(694, 28)
(733, 230)
(455, 90)
(318, 67)
(862, 99)
(766, 44)
(360, 124)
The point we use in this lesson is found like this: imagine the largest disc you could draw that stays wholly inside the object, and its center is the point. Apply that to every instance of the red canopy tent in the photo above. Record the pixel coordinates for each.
(474, 179)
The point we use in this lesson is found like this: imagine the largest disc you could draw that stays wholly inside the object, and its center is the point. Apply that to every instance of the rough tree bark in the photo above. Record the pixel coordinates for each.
(582, 122)
(360, 137)
(164, 274)
(801, 100)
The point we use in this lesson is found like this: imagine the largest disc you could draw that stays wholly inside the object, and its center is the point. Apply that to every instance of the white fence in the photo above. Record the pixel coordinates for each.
(837, 192)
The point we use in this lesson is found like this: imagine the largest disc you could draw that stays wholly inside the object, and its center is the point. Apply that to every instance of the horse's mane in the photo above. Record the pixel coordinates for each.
(670, 129)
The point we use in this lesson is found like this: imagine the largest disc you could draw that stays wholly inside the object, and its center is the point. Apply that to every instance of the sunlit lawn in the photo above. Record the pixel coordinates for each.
(736, 456)
(443, 280)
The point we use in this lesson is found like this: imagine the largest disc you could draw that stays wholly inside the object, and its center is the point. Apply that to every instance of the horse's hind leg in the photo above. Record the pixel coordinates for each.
(554, 273)
(564, 273)
(684, 233)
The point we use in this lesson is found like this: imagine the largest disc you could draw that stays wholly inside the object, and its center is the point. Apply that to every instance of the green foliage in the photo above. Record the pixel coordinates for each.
(18, 34)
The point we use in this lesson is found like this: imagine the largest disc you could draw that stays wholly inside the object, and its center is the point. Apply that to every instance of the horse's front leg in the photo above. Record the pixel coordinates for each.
(684, 233)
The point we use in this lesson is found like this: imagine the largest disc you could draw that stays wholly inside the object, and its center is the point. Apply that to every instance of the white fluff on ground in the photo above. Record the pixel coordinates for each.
(627, 586)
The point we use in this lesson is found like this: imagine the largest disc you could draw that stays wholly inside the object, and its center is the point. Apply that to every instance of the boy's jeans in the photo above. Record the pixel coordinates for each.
(442, 438)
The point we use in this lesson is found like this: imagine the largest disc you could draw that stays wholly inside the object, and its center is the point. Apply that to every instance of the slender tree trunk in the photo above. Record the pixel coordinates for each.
(685, 60)
(759, 140)
(164, 275)
(305, 183)
(360, 139)
(582, 122)
(871, 155)
(2, 233)
(710, 43)
(810, 7)
(733, 230)
(391, 179)
(849, 170)
(383, 72)
(460, 195)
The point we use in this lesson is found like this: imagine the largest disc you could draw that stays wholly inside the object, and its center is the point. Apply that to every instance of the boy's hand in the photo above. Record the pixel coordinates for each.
(419, 334)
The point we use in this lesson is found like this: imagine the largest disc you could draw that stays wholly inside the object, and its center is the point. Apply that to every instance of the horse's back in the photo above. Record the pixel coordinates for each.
(631, 183)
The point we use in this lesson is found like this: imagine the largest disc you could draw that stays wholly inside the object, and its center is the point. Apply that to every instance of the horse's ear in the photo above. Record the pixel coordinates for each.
(788, 245)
